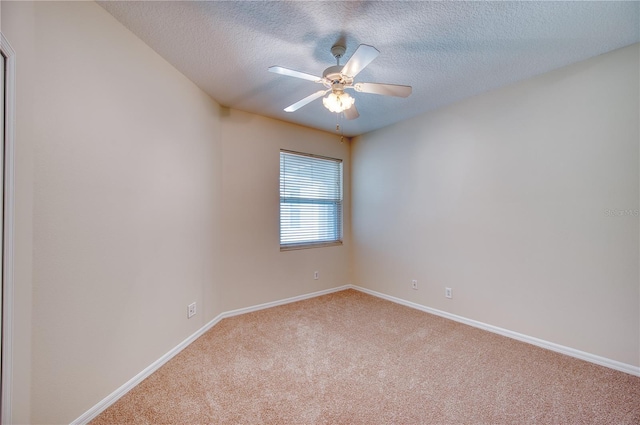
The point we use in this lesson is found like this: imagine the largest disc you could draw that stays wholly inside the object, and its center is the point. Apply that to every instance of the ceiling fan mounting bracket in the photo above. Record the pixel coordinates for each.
(338, 51)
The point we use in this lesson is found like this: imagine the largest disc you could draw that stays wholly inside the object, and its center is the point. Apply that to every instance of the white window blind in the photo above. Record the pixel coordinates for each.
(310, 200)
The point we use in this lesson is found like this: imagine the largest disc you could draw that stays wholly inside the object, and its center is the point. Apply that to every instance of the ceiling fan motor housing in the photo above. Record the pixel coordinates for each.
(332, 78)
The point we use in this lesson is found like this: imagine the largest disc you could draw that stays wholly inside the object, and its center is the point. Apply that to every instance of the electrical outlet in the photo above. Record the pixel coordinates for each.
(448, 293)
(316, 275)
(191, 310)
(414, 284)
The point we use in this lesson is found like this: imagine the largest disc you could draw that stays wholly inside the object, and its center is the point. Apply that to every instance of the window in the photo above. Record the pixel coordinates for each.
(310, 201)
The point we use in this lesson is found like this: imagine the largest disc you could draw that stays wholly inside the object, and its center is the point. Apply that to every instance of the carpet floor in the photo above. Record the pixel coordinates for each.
(350, 358)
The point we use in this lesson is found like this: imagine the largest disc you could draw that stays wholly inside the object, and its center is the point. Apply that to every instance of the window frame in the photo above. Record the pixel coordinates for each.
(340, 206)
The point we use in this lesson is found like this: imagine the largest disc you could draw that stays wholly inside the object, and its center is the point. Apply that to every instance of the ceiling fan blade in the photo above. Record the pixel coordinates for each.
(292, 73)
(383, 89)
(351, 113)
(299, 104)
(362, 57)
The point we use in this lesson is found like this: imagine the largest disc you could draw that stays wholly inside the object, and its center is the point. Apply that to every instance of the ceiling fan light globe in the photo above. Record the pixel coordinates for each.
(338, 102)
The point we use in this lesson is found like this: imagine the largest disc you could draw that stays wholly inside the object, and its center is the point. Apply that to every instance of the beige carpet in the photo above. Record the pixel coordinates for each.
(350, 358)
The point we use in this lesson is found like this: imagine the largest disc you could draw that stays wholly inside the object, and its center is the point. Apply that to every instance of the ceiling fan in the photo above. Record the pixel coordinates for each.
(338, 78)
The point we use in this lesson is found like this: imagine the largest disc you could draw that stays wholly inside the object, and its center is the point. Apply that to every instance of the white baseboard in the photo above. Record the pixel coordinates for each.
(284, 301)
(129, 385)
(602, 361)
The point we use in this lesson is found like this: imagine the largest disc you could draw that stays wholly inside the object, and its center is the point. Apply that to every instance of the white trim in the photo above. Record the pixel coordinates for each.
(129, 385)
(284, 301)
(9, 196)
(582, 355)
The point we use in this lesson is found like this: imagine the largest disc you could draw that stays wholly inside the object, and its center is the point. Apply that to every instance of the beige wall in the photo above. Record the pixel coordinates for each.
(255, 271)
(505, 198)
(136, 195)
(22, 29)
(125, 176)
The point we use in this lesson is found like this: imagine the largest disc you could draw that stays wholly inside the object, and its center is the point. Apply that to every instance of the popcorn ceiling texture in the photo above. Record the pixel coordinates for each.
(446, 50)
(351, 358)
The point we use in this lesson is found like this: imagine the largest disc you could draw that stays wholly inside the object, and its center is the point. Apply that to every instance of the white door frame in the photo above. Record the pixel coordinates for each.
(7, 249)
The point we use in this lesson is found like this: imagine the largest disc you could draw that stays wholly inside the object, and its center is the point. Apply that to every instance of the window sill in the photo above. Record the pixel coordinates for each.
(309, 245)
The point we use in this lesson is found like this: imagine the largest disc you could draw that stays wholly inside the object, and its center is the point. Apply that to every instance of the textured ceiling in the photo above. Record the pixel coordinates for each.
(446, 50)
